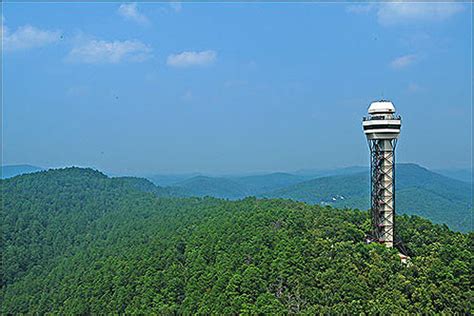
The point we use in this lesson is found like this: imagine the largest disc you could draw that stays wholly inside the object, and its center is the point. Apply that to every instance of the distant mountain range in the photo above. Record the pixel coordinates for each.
(313, 173)
(236, 187)
(419, 191)
(10, 171)
(465, 175)
(170, 179)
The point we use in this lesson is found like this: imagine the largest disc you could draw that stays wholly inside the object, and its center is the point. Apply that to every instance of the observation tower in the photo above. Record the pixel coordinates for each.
(382, 129)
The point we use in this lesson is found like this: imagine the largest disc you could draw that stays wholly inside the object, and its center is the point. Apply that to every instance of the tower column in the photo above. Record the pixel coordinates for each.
(387, 195)
(382, 128)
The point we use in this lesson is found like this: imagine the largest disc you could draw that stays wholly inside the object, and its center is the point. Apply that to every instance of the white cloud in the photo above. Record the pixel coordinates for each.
(129, 11)
(26, 37)
(403, 61)
(103, 52)
(391, 13)
(188, 59)
(360, 8)
(176, 6)
(402, 12)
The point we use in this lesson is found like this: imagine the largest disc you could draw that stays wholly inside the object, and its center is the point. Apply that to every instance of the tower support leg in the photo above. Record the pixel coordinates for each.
(383, 193)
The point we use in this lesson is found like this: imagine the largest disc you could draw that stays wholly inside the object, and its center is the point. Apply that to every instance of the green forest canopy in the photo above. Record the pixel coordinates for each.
(76, 241)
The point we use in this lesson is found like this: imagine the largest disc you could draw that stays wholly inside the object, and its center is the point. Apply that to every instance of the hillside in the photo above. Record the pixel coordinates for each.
(325, 190)
(169, 179)
(78, 242)
(237, 187)
(465, 175)
(233, 187)
(10, 171)
(201, 186)
(268, 182)
(419, 192)
(145, 185)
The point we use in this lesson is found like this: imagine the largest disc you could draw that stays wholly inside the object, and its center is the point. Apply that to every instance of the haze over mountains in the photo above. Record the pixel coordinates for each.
(419, 191)
(9, 171)
(462, 174)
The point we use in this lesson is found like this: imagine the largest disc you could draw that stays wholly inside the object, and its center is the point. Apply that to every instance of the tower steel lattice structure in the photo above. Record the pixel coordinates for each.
(382, 129)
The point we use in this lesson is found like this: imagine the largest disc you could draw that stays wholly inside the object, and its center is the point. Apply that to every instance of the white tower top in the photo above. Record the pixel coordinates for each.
(382, 123)
(381, 107)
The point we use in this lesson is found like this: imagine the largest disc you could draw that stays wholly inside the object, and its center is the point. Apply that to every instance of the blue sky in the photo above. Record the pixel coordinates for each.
(232, 87)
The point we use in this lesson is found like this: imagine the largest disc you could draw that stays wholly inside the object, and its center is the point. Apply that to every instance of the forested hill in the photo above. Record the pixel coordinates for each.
(419, 192)
(78, 242)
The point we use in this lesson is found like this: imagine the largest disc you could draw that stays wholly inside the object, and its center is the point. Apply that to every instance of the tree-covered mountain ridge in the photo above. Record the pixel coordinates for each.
(419, 191)
(78, 242)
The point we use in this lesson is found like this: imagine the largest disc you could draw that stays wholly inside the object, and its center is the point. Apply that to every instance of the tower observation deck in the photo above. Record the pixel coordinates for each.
(382, 129)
